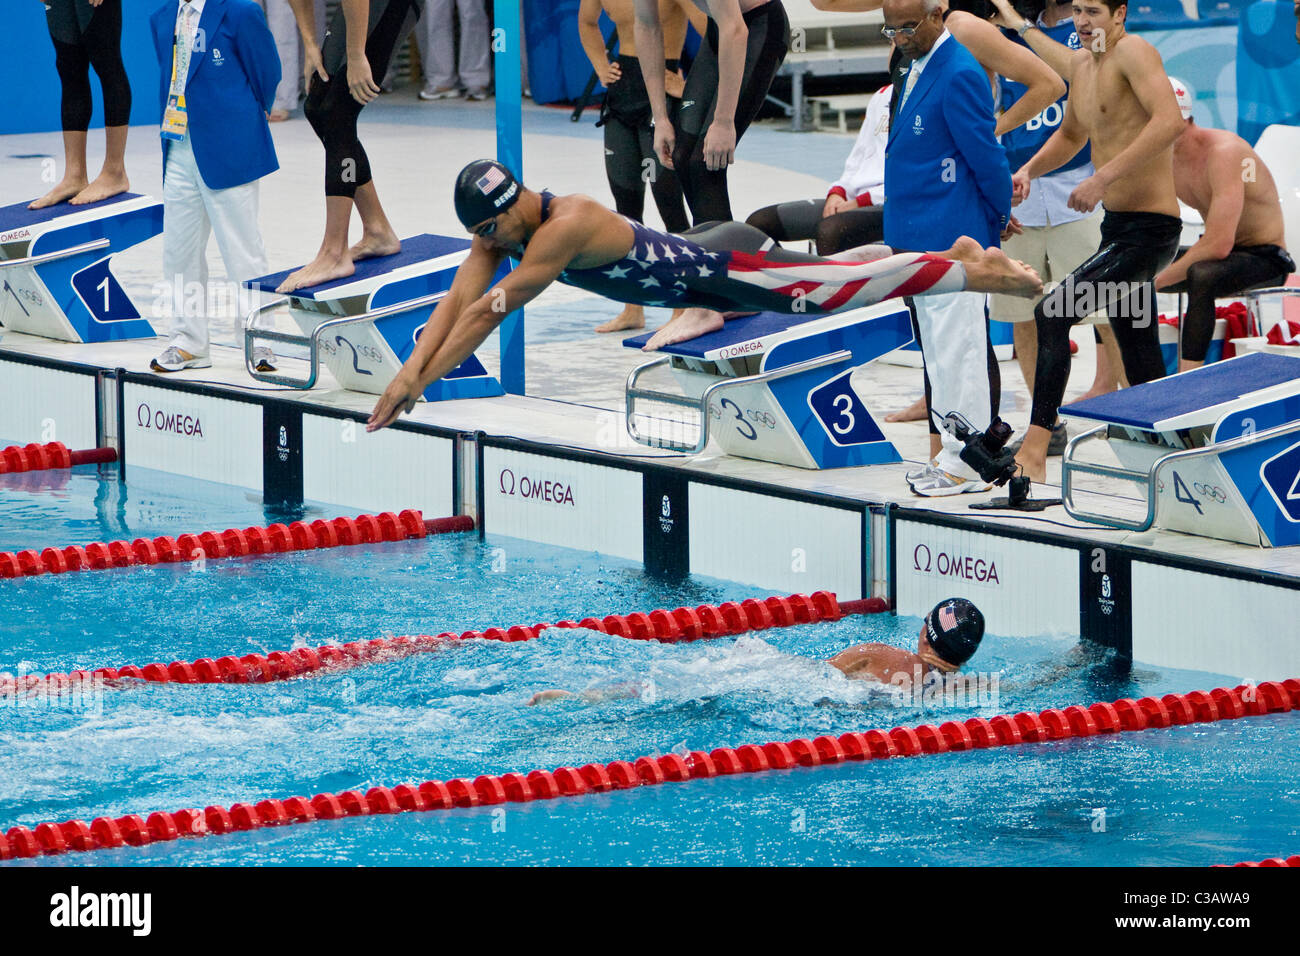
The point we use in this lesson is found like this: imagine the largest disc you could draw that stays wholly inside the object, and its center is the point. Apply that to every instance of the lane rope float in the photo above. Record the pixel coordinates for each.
(682, 624)
(1121, 716)
(53, 455)
(231, 543)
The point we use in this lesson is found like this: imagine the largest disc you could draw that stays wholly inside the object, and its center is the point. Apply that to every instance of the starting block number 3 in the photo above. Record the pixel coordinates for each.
(841, 413)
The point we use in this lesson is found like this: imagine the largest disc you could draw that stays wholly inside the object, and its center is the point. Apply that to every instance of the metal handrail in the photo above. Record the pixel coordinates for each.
(701, 404)
(60, 254)
(312, 342)
(1150, 476)
(1254, 294)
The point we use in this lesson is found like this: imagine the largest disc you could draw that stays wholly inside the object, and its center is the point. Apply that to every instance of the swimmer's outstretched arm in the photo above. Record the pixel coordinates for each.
(594, 695)
(467, 316)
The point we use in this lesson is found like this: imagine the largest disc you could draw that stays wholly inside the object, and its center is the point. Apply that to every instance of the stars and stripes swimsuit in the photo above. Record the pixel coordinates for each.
(729, 266)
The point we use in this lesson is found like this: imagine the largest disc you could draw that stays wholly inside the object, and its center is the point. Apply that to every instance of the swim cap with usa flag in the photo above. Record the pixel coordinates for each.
(954, 629)
(484, 189)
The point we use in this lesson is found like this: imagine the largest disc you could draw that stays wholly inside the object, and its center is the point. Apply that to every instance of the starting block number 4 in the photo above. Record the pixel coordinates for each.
(1281, 476)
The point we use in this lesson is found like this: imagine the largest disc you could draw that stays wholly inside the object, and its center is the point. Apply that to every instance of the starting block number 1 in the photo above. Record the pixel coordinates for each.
(104, 298)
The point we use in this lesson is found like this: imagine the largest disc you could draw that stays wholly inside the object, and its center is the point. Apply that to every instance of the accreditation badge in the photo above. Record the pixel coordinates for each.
(175, 118)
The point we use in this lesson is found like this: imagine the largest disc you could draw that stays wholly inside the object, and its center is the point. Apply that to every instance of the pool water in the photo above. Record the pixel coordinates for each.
(1188, 795)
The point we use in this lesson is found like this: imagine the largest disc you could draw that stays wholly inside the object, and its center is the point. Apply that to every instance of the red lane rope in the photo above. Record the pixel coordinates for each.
(683, 624)
(55, 454)
(231, 543)
(1003, 731)
(1271, 861)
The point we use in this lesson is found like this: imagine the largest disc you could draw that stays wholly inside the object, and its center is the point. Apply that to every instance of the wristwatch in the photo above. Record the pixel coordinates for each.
(1024, 28)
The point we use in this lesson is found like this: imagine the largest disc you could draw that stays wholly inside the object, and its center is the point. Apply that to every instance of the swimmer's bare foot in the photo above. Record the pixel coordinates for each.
(1031, 463)
(632, 317)
(321, 269)
(105, 186)
(690, 324)
(728, 316)
(372, 246)
(1095, 392)
(64, 191)
(989, 270)
(912, 413)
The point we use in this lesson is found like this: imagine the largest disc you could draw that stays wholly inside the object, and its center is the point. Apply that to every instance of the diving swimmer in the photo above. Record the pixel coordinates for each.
(716, 266)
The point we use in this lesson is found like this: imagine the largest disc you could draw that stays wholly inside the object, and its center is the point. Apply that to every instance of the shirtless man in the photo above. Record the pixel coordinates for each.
(1121, 102)
(1222, 178)
(949, 637)
(629, 135)
(729, 265)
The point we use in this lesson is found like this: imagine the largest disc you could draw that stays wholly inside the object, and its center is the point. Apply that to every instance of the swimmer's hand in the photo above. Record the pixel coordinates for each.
(720, 145)
(665, 140)
(400, 396)
(674, 85)
(312, 63)
(835, 204)
(545, 696)
(1014, 228)
(1087, 194)
(361, 83)
(1019, 187)
(1006, 15)
(610, 75)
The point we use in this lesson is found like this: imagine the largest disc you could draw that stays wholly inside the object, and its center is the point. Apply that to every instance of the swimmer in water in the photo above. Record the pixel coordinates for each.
(721, 265)
(949, 637)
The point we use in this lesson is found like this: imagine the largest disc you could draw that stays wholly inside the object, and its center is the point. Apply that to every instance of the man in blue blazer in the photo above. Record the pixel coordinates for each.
(946, 176)
(219, 70)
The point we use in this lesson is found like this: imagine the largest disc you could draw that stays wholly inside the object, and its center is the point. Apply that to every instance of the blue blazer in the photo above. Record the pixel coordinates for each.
(230, 89)
(946, 175)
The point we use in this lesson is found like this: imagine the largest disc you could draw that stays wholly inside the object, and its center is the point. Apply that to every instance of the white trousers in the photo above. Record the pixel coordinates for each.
(436, 40)
(954, 344)
(192, 212)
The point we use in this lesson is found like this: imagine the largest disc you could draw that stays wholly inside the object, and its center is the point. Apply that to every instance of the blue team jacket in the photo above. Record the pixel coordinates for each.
(946, 175)
(232, 79)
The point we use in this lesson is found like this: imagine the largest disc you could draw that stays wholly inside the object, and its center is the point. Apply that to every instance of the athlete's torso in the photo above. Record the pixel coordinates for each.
(659, 269)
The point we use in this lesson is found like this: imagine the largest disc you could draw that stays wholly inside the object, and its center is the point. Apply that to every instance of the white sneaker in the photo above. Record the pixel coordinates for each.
(263, 359)
(172, 361)
(922, 471)
(938, 483)
(440, 93)
(476, 95)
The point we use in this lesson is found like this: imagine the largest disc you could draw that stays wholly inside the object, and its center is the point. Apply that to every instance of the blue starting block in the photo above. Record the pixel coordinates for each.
(56, 274)
(776, 388)
(364, 327)
(1216, 450)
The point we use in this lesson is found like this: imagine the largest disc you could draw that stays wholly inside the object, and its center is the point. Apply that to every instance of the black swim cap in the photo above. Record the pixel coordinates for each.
(484, 189)
(954, 629)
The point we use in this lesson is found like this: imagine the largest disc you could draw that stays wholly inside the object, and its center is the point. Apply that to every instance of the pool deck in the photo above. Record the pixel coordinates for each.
(575, 378)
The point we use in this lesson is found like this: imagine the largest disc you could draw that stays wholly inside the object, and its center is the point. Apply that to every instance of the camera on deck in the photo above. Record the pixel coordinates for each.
(985, 451)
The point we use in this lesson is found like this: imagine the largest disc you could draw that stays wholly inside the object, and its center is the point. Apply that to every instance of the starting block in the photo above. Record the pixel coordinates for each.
(1216, 450)
(365, 326)
(777, 388)
(56, 274)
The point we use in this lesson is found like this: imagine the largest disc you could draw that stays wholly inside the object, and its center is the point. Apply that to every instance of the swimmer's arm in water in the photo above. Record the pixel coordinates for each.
(594, 695)
(874, 662)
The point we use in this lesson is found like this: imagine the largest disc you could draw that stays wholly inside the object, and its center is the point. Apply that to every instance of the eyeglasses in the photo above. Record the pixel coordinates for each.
(890, 32)
(486, 229)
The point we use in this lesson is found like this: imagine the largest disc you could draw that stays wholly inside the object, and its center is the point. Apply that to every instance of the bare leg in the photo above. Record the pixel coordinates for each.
(1032, 457)
(912, 413)
(688, 325)
(632, 317)
(111, 180)
(936, 445)
(377, 235)
(333, 261)
(74, 171)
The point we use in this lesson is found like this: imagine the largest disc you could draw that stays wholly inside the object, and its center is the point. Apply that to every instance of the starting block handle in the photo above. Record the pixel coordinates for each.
(311, 342)
(1253, 298)
(1069, 468)
(701, 405)
(51, 256)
